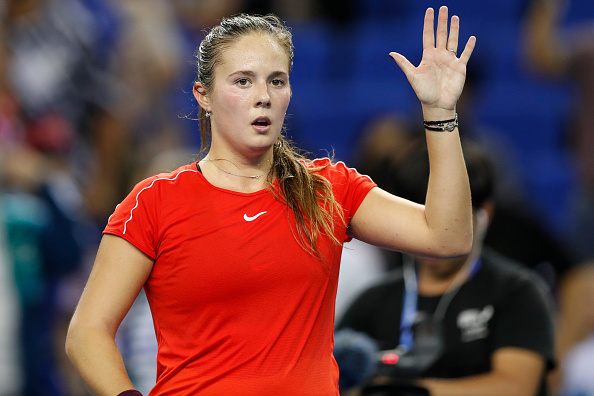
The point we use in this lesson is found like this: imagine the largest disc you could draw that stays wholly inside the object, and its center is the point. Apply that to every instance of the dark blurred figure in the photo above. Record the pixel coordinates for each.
(385, 140)
(562, 50)
(558, 53)
(59, 66)
(46, 236)
(54, 93)
(516, 230)
(478, 324)
(355, 355)
(575, 345)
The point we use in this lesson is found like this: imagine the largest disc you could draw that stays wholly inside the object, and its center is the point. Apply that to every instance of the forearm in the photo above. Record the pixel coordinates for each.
(95, 355)
(448, 207)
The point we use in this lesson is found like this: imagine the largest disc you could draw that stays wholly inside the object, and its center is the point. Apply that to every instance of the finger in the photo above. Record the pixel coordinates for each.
(407, 67)
(465, 56)
(454, 33)
(441, 35)
(428, 33)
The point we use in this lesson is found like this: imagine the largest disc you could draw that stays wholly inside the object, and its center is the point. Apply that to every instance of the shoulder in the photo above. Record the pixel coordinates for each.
(160, 187)
(332, 169)
(175, 175)
(349, 187)
(505, 266)
(168, 178)
(327, 163)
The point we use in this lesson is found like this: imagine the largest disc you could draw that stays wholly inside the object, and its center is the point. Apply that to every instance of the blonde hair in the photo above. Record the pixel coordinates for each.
(307, 194)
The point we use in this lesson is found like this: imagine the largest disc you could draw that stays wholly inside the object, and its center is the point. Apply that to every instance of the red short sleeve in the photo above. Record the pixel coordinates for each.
(134, 219)
(350, 187)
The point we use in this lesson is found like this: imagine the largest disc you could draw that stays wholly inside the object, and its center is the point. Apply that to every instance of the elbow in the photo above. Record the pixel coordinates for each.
(455, 247)
(76, 339)
(85, 334)
(464, 248)
(70, 343)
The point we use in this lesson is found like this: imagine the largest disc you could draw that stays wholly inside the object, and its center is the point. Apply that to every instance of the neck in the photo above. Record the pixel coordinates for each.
(236, 173)
(240, 162)
(436, 281)
(436, 277)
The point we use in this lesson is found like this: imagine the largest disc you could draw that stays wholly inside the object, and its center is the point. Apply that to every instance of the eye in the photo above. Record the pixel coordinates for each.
(243, 82)
(277, 82)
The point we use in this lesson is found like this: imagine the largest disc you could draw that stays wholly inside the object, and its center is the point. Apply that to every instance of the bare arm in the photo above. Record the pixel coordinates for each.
(443, 226)
(119, 272)
(576, 319)
(516, 372)
(545, 51)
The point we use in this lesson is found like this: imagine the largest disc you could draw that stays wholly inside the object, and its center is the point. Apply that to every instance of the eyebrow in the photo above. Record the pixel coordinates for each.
(250, 73)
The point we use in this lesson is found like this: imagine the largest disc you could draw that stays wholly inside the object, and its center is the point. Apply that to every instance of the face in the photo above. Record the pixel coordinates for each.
(442, 268)
(249, 97)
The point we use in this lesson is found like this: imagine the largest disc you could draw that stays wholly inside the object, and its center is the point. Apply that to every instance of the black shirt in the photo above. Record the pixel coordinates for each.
(502, 305)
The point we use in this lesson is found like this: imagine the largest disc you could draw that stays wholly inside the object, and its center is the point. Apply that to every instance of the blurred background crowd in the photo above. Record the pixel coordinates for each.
(96, 95)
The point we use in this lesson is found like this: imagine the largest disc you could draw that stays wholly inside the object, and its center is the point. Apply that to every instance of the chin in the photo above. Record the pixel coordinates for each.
(260, 149)
(432, 262)
(264, 142)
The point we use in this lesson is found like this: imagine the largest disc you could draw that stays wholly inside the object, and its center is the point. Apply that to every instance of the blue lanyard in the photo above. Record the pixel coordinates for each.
(410, 298)
(409, 303)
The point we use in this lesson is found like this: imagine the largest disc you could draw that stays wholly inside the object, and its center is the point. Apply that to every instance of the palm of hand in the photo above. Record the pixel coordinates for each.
(439, 78)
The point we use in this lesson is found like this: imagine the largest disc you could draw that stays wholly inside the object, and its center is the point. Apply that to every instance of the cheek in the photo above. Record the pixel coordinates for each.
(233, 100)
(283, 99)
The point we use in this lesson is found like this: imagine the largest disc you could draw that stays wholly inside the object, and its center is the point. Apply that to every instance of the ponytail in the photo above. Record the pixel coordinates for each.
(307, 194)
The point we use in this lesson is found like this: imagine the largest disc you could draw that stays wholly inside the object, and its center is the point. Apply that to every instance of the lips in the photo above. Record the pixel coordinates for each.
(261, 124)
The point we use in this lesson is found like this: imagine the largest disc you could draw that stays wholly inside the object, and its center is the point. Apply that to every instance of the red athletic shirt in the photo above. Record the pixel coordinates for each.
(239, 308)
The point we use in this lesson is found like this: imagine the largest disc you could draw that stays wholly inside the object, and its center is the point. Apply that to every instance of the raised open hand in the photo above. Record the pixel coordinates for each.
(439, 78)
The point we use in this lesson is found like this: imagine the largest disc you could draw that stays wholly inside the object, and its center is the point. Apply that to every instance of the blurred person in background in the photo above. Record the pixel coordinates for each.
(565, 52)
(474, 325)
(245, 244)
(576, 327)
(517, 229)
(55, 83)
(41, 212)
(10, 126)
(44, 233)
(146, 62)
(385, 140)
(59, 69)
(44, 230)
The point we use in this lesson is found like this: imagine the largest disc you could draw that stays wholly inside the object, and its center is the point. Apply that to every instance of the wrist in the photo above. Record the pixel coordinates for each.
(130, 392)
(441, 125)
(438, 114)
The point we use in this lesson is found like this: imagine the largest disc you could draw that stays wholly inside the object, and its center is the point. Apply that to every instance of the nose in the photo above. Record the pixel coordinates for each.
(263, 96)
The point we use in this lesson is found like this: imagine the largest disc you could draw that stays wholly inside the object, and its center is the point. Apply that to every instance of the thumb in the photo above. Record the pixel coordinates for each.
(403, 63)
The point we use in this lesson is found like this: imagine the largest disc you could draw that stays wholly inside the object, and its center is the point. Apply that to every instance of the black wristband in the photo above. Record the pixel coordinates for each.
(440, 122)
(131, 392)
(442, 126)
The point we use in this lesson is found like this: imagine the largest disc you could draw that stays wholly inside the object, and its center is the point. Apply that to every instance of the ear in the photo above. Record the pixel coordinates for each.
(483, 217)
(199, 92)
(489, 207)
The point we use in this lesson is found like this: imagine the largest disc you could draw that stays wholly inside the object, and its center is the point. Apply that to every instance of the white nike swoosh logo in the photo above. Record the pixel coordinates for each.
(252, 218)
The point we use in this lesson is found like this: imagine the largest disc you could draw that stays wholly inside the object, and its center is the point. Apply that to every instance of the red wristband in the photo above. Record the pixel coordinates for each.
(131, 392)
